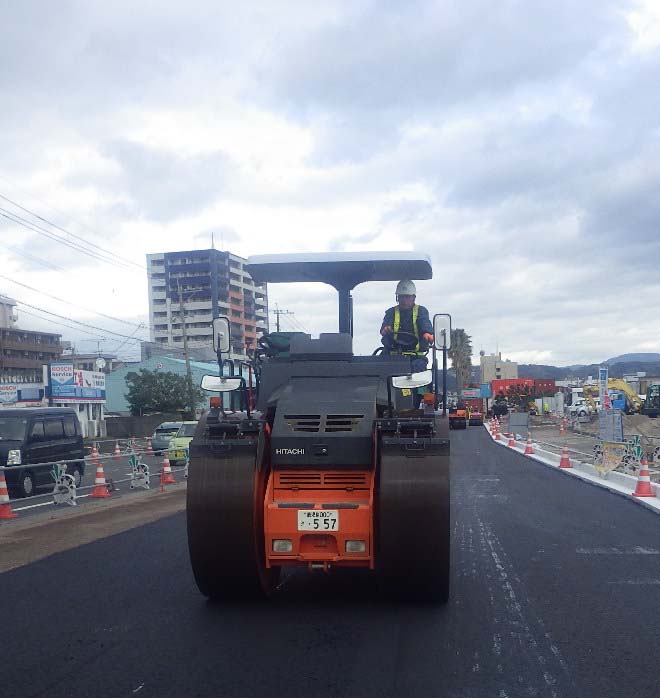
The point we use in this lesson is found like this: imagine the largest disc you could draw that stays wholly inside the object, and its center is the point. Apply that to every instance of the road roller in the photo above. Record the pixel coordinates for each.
(312, 456)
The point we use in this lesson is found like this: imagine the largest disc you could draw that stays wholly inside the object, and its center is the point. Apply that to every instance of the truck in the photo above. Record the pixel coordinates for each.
(335, 467)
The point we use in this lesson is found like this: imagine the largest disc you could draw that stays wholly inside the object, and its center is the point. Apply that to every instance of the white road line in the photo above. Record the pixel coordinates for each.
(637, 550)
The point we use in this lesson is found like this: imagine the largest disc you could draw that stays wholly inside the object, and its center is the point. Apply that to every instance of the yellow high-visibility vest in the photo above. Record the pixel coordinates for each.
(397, 324)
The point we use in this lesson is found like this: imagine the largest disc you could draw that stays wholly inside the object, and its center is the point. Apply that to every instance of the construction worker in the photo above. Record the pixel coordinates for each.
(408, 317)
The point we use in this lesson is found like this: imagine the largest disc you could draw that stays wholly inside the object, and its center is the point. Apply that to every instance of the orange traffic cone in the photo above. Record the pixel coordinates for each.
(529, 449)
(166, 477)
(117, 453)
(565, 461)
(100, 485)
(562, 428)
(95, 451)
(643, 488)
(150, 448)
(5, 505)
(512, 441)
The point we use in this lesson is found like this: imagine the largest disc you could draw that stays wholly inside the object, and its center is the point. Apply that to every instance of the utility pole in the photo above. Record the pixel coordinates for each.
(189, 383)
(277, 312)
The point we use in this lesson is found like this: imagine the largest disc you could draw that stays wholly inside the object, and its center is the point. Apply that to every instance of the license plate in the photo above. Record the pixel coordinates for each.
(318, 520)
(179, 454)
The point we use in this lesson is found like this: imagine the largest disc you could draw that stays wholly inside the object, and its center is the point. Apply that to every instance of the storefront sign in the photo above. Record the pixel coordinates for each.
(76, 385)
(8, 394)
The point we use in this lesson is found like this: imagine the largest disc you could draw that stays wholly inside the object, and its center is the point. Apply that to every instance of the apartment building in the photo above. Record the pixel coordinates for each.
(493, 368)
(201, 285)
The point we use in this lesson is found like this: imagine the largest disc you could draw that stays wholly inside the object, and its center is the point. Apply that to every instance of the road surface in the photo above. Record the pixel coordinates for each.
(555, 592)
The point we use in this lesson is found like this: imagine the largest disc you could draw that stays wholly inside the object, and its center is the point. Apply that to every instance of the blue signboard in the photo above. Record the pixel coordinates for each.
(67, 383)
(485, 390)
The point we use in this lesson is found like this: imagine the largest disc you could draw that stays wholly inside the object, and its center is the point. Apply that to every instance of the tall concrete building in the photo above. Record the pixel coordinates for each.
(203, 284)
(493, 368)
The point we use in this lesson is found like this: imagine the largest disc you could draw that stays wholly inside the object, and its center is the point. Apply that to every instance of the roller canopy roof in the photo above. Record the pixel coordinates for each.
(343, 270)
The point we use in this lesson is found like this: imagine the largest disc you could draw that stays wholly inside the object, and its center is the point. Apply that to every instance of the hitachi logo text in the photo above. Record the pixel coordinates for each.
(289, 451)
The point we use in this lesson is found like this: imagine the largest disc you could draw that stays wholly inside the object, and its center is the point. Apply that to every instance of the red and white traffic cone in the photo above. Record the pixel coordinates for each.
(562, 427)
(565, 461)
(643, 488)
(529, 449)
(95, 451)
(166, 477)
(150, 448)
(512, 441)
(117, 453)
(5, 505)
(100, 485)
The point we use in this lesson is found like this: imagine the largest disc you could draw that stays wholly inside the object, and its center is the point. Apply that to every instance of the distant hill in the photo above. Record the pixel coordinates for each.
(648, 357)
(617, 370)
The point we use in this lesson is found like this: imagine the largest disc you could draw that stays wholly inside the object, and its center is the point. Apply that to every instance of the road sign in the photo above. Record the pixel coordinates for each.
(610, 425)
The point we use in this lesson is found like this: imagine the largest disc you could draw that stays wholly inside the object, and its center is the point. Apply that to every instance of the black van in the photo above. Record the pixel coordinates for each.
(32, 439)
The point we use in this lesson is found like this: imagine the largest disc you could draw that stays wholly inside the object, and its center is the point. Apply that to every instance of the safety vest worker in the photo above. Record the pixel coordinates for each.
(407, 316)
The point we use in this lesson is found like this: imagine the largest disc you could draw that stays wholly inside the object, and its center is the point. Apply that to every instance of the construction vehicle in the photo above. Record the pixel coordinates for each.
(335, 468)
(458, 417)
(475, 418)
(651, 406)
(622, 396)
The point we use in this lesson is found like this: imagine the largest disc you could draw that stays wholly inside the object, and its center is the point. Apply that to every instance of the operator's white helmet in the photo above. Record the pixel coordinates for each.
(405, 287)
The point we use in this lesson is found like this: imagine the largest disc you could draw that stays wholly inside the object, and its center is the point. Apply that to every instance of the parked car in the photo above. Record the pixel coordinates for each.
(176, 452)
(163, 434)
(32, 440)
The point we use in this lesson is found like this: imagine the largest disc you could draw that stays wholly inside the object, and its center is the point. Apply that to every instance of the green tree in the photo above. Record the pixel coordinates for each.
(461, 357)
(158, 391)
(519, 396)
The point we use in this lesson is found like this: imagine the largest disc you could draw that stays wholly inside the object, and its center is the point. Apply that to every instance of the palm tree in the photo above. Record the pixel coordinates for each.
(461, 357)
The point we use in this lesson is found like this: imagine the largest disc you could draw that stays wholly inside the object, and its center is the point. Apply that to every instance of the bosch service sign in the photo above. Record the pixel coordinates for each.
(8, 394)
(62, 374)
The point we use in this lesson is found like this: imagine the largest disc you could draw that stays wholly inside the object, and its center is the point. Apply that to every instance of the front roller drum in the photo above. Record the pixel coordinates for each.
(413, 523)
(226, 489)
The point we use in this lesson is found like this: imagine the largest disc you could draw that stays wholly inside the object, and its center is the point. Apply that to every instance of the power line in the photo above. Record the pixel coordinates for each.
(77, 322)
(75, 305)
(124, 260)
(19, 220)
(32, 258)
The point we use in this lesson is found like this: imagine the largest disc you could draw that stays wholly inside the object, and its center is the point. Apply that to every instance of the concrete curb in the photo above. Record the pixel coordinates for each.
(618, 483)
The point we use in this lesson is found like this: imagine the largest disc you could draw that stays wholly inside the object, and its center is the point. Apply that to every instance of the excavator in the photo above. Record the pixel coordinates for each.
(622, 396)
(334, 467)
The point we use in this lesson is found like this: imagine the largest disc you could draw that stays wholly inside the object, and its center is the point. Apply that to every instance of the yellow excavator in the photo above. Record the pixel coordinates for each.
(628, 400)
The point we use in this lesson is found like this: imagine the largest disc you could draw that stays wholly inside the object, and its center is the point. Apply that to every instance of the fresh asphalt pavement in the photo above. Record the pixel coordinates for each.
(555, 592)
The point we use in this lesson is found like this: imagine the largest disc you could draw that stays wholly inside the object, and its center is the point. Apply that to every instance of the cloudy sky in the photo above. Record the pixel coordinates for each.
(517, 143)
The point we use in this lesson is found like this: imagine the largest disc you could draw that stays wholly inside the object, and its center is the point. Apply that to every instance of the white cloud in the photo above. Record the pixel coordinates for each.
(516, 143)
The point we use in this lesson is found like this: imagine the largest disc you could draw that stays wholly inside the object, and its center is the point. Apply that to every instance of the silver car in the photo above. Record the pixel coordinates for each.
(163, 434)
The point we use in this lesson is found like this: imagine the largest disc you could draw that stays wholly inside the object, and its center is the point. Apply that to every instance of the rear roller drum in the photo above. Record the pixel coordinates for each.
(413, 525)
(225, 504)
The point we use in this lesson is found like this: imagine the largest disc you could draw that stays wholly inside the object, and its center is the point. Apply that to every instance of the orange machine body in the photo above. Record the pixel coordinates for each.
(349, 493)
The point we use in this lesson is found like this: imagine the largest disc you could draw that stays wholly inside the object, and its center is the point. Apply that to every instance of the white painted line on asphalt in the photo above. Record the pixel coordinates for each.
(637, 550)
(43, 504)
(640, 582)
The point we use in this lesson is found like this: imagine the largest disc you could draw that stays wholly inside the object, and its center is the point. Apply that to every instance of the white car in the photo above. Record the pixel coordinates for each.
(580, 409)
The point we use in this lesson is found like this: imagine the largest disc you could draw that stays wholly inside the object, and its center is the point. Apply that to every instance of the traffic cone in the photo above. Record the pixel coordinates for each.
(166, 477)
(117, 452)
(5, 505)
(95, 451)
(150, 448)
(562, 427)
(565, 461)
(643, 488)
(100, 485)
(512, 441)
(529, 449)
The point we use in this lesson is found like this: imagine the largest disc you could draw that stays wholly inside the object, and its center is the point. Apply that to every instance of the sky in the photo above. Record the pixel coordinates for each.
(516, 143)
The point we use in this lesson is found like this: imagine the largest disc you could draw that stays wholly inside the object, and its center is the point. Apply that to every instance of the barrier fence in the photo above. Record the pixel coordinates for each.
(66, 492)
